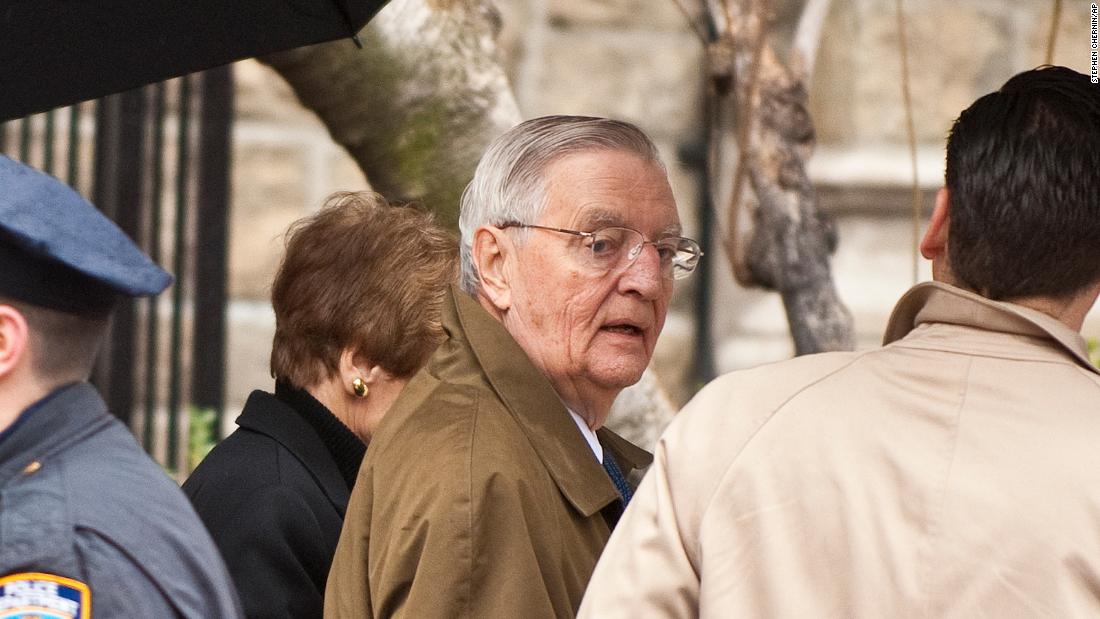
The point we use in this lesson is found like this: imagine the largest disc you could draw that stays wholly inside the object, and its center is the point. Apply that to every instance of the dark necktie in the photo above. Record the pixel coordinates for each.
(617, 478)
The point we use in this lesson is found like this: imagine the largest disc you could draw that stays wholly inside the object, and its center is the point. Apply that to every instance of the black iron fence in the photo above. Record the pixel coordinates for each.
(156, 160)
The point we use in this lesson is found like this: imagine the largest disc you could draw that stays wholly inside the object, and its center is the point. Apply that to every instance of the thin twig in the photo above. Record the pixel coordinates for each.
(1052, 39)
(727, 9)
(745, 110)
(911, 130)
(692, 23)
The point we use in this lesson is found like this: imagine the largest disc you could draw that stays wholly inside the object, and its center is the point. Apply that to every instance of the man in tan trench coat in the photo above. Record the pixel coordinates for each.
(490, 488)
(954, 472)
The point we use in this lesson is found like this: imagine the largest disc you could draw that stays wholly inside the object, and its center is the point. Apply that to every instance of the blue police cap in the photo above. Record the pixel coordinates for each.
(58, 251)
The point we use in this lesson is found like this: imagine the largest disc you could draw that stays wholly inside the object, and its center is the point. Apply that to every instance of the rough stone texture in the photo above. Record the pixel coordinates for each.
(943, 73)
(642, 430)
(248, 344)
(832, 93)
(958, 50)
(521, 21)
(264, 96)
(620, 14)
(284, 166)
(673, 357)
(268, 194)
(655, 85)
(1072, 46)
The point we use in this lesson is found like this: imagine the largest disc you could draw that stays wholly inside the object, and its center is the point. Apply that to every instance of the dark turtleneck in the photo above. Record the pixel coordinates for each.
(344, 446)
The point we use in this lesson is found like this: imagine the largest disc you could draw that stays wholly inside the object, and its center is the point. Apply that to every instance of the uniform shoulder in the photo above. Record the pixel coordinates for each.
(108, 472)
(115, 489)
(126, 586)
(123, 510)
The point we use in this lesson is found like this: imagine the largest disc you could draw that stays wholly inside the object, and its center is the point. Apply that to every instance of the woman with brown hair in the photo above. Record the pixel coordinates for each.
(357, 303)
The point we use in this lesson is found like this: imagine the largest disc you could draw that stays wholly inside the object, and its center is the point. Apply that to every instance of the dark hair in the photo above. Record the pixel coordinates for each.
(360, 274)
(1023, 173)
(63, 346)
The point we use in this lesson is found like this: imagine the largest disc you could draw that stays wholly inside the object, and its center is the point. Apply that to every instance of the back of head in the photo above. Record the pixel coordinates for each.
(63, 345)
(63, 267)
(508, 184)
(1023, 175)
(360, 274)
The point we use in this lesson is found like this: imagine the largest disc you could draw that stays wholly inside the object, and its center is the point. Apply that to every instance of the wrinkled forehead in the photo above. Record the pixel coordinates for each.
(666, 222)
(610, 188)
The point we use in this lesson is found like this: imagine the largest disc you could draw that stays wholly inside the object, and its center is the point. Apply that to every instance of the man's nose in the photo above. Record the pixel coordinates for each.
(643, 275)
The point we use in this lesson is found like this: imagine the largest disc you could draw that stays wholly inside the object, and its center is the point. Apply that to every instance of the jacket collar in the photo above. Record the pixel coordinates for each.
(64, 418)
(265, 414)
(536, 407)
(936, 302)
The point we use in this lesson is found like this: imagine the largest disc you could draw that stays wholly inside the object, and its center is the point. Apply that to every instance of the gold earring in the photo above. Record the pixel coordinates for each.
(359, 387)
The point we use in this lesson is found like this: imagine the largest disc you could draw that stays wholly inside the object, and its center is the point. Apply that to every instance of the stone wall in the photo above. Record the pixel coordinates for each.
(637, 60)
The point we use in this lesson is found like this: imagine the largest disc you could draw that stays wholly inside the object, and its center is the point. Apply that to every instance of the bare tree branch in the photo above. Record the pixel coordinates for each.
(788, 244)
(417, 106)
(691, 22)
(807, 37)
(1052, 37)
(911, 133)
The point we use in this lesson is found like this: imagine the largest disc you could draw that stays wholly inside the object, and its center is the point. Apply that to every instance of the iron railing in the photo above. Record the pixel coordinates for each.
(156, 160)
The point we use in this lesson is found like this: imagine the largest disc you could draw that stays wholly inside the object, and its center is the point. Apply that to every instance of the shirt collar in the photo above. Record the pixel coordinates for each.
(589, 435)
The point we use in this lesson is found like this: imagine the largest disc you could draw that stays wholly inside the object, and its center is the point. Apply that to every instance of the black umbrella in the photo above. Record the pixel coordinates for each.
(59, 52)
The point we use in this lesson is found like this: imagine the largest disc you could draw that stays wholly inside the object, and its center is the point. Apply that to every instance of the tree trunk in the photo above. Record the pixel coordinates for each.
(780, 241)
(418, 104)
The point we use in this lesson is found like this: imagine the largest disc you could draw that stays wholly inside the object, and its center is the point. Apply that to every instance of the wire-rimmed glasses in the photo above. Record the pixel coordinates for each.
(614, 246)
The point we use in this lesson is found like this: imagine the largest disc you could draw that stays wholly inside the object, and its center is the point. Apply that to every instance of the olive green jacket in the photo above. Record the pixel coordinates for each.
(478, 497)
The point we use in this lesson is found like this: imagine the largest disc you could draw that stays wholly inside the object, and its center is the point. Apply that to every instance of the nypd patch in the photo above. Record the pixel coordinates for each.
(33, 595)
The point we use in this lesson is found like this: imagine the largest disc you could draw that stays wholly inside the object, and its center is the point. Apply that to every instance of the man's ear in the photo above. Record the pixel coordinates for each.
(490, 251)
(934, 244)
(14, 335)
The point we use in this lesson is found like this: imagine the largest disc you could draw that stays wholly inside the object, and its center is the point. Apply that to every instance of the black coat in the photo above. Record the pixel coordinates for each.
(274, 499)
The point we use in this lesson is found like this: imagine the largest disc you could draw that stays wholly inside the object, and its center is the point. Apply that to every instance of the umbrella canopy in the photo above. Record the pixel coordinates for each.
(59, 52)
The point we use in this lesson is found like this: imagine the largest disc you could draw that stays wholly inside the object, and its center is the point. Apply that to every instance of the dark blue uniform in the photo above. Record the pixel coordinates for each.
(80, 501)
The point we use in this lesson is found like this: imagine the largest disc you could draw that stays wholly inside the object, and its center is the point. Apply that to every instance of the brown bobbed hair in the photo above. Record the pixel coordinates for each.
(364, 275)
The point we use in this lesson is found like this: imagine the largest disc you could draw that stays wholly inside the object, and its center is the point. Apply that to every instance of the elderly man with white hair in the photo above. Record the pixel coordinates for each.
(491, 487)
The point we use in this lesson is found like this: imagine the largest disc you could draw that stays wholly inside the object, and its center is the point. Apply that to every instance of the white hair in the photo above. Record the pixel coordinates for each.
(508, 186)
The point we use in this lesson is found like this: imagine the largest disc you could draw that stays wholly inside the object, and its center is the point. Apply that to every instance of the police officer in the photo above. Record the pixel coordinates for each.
(87, 521)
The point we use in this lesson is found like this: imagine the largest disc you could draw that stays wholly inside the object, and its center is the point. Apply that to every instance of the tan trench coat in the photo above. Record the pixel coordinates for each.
(953, 473)
(478, 497)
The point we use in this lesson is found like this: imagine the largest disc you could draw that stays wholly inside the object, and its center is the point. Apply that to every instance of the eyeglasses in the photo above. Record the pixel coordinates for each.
(613, 247)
